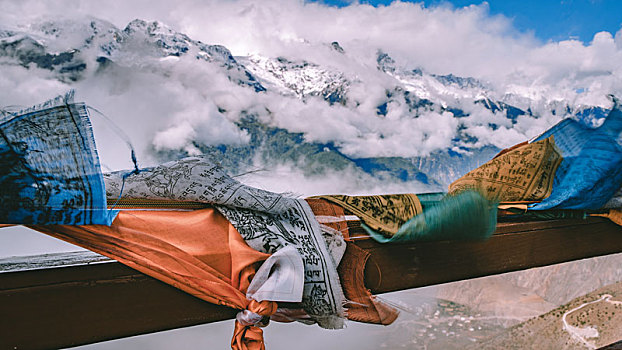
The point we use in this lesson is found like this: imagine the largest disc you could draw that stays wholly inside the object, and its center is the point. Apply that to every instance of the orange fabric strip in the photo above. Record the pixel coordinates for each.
(364, 307)
(247, 338)
(199, 251)
(324, 208)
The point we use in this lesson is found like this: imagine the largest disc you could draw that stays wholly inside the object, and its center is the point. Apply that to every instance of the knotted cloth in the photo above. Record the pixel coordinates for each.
(322, 297)
(248, 336)
(201, 253)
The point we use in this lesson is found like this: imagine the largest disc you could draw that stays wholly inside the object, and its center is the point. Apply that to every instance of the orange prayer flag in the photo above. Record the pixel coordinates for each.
(199, 251)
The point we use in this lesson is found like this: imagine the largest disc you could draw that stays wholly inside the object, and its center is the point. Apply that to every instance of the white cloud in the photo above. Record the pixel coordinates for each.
(165, 104)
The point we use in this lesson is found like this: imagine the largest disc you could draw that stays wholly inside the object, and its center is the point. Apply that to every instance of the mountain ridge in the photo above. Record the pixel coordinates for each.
(393, 123)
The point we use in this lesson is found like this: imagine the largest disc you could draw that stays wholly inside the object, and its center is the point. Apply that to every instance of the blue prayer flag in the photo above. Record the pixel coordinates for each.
(49, 168)
(591, 170)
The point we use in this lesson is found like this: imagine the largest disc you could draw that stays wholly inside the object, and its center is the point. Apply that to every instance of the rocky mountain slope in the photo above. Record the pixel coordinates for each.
(587, 322)
(532, 292)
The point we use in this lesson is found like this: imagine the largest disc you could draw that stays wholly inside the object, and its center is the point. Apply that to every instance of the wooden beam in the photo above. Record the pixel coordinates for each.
(68, 306)
(514, 246)
(46, 304)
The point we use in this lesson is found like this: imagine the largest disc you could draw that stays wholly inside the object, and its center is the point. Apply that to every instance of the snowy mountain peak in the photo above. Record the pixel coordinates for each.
(61, 46)
(166, 40)
(153, 28)
(66, 34)
(299, 78)
(460, 82)
(385, 62)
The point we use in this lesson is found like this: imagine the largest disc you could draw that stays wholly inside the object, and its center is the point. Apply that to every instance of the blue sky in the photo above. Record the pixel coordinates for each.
(548, 19)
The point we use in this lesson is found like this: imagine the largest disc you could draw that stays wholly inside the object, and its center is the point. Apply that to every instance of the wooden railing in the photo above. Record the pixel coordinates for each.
(64, 300)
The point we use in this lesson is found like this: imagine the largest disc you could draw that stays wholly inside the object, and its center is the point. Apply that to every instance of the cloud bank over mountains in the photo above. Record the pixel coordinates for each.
(350, 84)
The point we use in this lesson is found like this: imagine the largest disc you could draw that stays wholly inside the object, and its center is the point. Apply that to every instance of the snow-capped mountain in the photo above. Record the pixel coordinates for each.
(61, 46)
(301, 79)
(378, 120)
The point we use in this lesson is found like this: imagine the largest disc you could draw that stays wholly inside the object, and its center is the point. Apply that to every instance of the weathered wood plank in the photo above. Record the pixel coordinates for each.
(49, 307)
(70, 306)
(515, 246)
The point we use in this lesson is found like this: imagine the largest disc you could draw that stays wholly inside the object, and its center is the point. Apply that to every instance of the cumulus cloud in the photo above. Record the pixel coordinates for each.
(170, 104)
(348, 181)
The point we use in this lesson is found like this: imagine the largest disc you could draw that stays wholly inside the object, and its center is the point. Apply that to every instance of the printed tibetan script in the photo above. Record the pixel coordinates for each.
(524, 174)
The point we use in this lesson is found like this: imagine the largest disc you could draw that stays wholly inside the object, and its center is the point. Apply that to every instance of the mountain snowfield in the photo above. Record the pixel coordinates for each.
(385, 126)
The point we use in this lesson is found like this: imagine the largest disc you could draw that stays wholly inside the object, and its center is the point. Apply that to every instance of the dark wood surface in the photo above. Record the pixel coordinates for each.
(46, 304)
(69, 306)
(514, 246)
